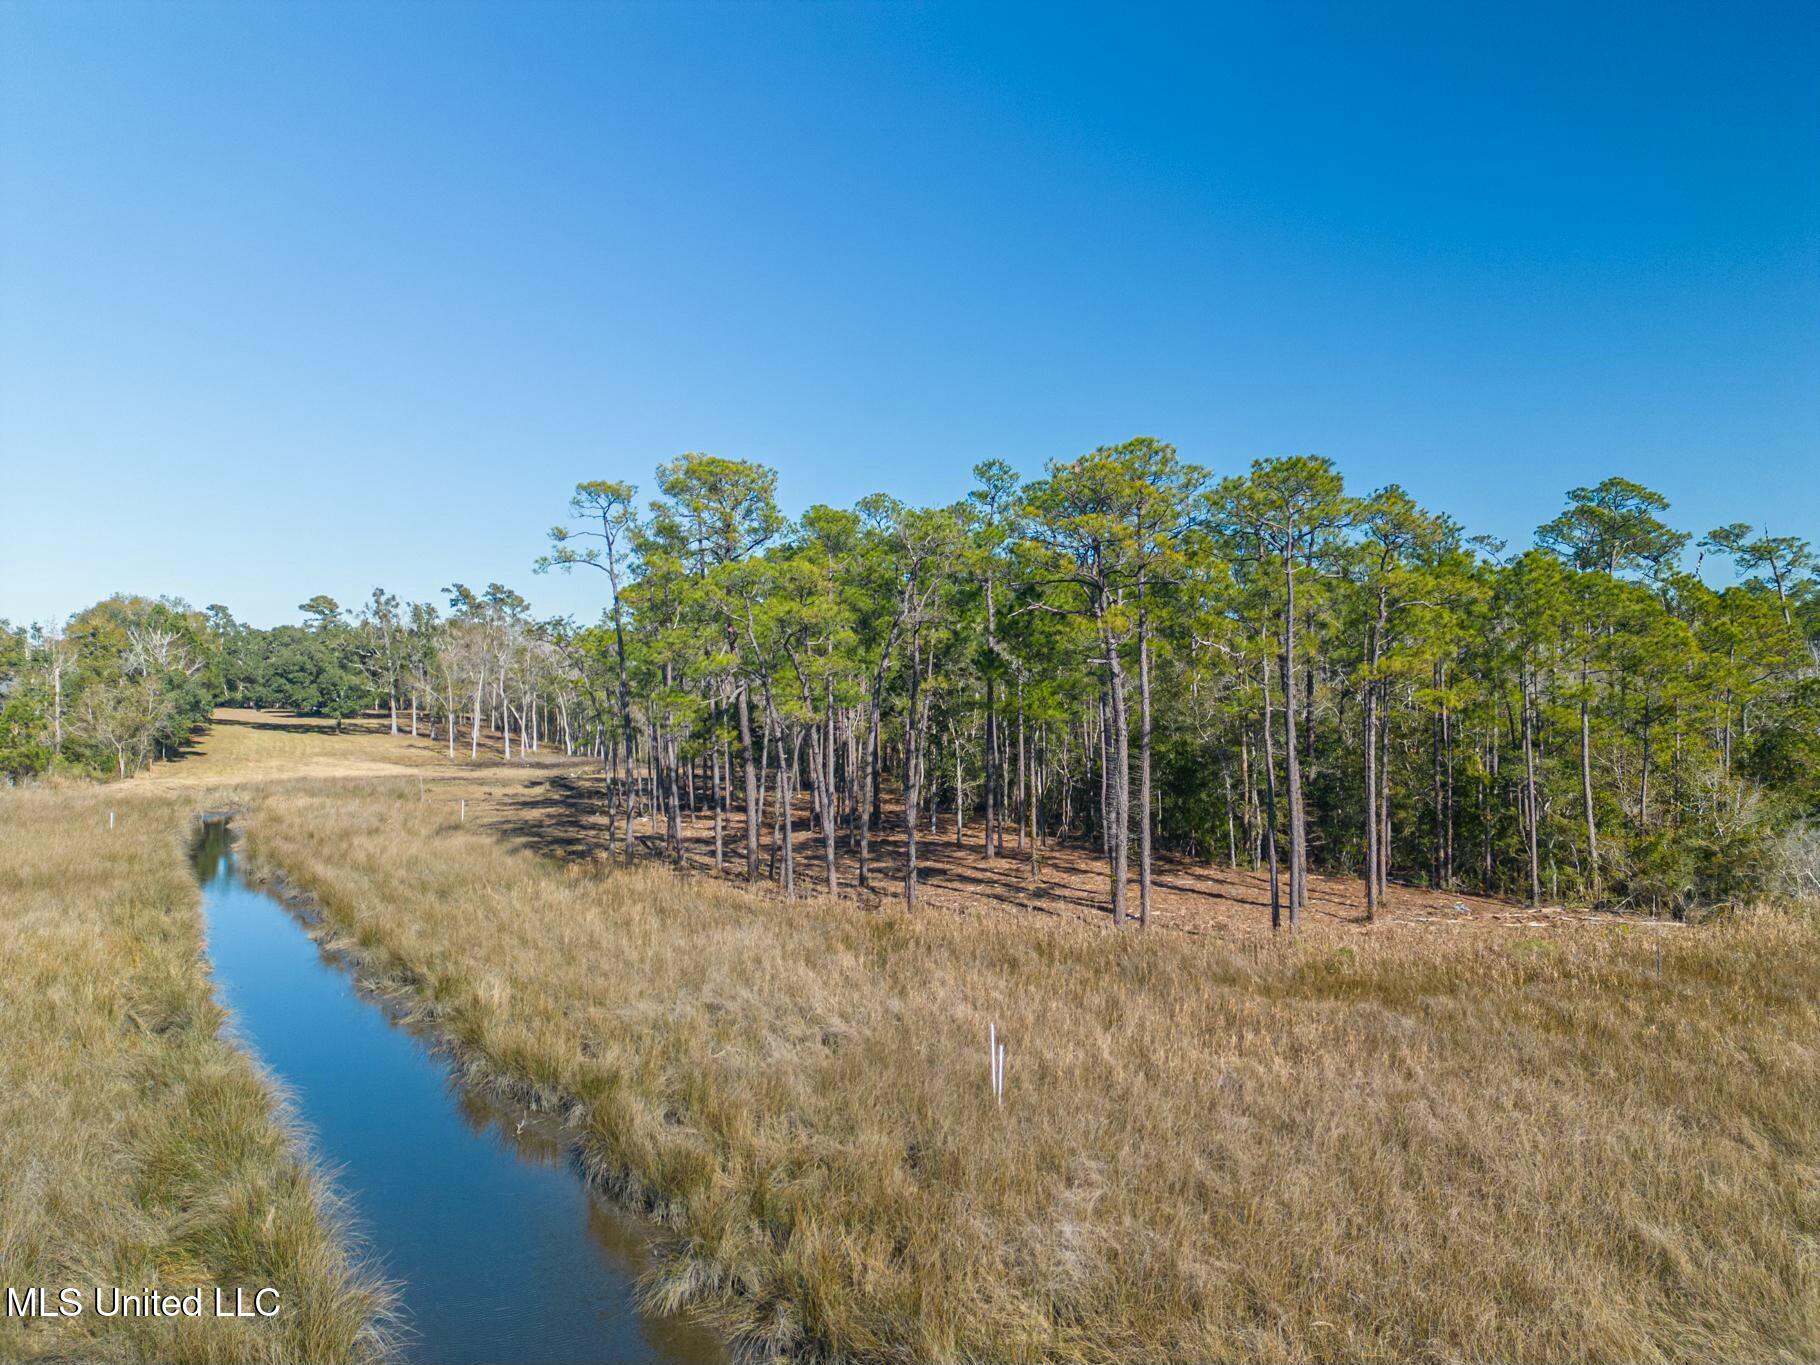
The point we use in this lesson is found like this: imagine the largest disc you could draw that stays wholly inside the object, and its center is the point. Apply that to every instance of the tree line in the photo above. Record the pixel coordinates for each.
(1263, 669)
(115, 688)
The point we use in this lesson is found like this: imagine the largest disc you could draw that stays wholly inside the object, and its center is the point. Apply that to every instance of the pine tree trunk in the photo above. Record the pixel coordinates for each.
(1374, 868)
(673, 777)
(784, 841)
(753, 814)
(1023, 774)
(1371, 800)
(868, 781)
(1437, 853)
(1529, 781)
(718, 755)
(960, 819)
(992, 772)
(1384, 845)
(828, 797)
(1144, 747)
(1449, 872)
(994, 793)
(1592, 831)
(1232, 833)
(1105, 816)
(1270, 806)
(1119, 761)
(1298, 833)
(913, 771)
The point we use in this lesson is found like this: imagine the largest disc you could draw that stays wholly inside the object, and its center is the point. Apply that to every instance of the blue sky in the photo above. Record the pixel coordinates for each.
(304, 298)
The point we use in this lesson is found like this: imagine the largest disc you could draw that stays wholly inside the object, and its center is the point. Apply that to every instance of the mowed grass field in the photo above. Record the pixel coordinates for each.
(1525, 1145)
(137, 1145)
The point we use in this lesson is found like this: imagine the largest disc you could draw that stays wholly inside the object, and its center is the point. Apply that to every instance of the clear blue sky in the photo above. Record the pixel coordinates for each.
(302, 298)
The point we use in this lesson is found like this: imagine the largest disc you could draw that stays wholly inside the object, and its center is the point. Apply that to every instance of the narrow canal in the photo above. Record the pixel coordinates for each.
(500, 1251)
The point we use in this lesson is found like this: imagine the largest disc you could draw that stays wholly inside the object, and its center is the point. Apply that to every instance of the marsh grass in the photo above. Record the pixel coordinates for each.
(137, 1145)
(1400, 1148)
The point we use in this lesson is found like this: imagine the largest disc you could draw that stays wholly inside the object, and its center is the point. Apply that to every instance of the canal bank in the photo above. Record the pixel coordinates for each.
(476, 1209)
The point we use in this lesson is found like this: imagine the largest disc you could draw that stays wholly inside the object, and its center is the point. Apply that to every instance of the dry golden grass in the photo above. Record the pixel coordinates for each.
(243, 745)
(138, 1146)
(1516, 1148)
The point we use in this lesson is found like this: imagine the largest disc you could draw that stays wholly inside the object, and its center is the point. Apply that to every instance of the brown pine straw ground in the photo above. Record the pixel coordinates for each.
(562, 813)
(1528, 1144)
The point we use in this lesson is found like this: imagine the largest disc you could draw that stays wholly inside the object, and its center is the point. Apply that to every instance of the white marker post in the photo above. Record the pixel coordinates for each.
(995, 1057)
(464, 810)
(110, 819)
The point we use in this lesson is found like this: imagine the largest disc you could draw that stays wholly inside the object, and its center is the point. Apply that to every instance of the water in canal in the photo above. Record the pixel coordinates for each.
(500, 1251)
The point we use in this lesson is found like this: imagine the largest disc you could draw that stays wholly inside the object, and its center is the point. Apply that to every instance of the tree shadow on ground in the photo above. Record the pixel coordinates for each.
(564, 816)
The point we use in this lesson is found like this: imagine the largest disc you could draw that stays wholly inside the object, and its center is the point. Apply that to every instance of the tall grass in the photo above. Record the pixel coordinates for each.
(137, 1146)
(1402, 1148)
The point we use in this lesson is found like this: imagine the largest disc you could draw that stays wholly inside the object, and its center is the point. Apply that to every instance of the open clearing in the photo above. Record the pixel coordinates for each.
(1403, 1143)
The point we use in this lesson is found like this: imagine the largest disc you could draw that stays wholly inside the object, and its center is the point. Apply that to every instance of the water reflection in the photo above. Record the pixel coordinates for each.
(477, 1210)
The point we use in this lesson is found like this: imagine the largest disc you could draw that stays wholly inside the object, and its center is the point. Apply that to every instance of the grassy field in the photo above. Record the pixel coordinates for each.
(1522, 1143)
(1518, 1147)
(137, 1146)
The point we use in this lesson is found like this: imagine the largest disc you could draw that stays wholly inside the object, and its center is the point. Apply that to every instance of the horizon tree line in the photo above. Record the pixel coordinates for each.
(1129, 652)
